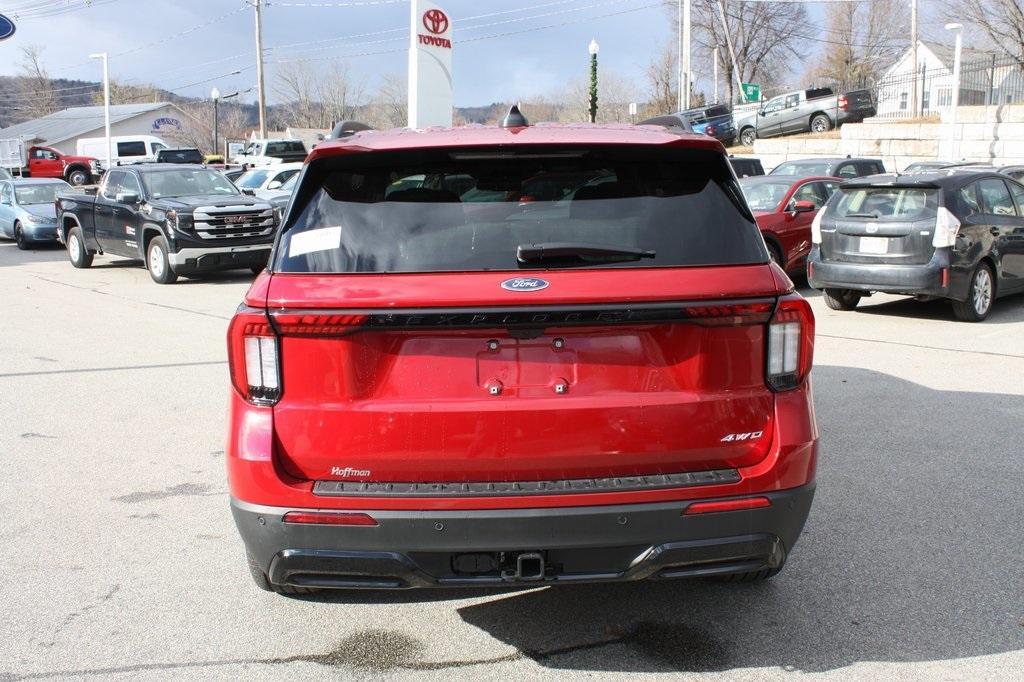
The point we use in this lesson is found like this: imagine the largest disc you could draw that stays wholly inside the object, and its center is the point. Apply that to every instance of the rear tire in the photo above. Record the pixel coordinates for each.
(747, 137)
(157, 263)
(821, 123)
(262, 582)
(841, 299)
(19, 238)
(980, 296)
(77, 253)
(749, 577)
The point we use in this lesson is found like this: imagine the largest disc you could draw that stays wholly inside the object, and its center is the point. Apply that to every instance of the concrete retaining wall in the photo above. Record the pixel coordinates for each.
(993, 135)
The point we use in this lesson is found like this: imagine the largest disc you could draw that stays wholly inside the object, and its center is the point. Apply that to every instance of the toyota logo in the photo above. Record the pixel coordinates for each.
(435, 21)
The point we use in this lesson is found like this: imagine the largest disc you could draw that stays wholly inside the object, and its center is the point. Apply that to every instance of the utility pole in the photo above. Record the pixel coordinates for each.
(684, 61)
(714, 63)
(728, 44)
(913, 55)
(106, 101)
(261, 91)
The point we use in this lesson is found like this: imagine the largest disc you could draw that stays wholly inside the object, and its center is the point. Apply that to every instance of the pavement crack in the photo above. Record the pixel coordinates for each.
(124, 368)
(923, 347)
(33, 434)
(133, 300)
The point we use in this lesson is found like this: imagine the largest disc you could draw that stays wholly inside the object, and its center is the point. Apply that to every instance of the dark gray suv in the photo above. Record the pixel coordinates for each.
(930, 235)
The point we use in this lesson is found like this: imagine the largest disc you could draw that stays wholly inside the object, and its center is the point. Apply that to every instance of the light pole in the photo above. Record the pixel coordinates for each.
(106, 101)
(958, 29)
(593, 47)
(215, 96)
(684, 54)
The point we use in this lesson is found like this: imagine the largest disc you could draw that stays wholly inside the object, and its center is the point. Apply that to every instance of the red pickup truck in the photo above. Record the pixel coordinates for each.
(46, 162)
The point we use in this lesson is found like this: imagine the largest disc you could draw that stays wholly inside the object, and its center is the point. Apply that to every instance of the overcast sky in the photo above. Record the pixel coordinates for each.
(500, 53)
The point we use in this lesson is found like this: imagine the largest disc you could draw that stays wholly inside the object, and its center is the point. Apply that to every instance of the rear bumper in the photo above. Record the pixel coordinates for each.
(580, 544)
(920, 280)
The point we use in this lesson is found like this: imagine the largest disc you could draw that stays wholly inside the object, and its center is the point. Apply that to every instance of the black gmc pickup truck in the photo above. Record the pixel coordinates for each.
(178, 219)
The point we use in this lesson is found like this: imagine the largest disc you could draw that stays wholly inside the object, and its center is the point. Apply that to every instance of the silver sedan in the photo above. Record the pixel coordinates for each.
(27, 211)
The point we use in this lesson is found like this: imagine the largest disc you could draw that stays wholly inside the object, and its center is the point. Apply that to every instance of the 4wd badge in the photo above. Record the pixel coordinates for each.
(524, 284)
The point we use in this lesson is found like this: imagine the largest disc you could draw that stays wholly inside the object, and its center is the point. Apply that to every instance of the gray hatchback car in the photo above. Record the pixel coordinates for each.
(27, 211)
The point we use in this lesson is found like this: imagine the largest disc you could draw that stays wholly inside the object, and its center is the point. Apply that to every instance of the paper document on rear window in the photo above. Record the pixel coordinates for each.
(322, 239)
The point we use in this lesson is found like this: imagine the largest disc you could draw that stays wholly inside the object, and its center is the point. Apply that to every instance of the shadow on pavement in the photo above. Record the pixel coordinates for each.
(912, 553)
(1008, 310)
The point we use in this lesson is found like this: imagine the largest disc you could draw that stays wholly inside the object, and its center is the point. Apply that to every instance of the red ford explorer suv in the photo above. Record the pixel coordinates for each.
(437, 383)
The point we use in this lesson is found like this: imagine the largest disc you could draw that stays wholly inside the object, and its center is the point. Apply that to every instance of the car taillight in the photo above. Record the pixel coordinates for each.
(946, 228)
(253, 357)
(318, 324)
(729, 314)
(321, 518)
(816, 228)
(710, 130)
(790, 344)
(844, 104)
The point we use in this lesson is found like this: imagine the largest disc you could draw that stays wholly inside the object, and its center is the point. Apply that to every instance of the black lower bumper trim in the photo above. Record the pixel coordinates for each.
(483, 547)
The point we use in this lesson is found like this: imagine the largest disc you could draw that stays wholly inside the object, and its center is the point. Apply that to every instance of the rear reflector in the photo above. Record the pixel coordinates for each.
(330, 518)
(727, 505)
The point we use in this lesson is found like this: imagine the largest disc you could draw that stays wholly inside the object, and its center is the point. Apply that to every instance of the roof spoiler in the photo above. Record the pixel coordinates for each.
(668, 121)
(347, 129)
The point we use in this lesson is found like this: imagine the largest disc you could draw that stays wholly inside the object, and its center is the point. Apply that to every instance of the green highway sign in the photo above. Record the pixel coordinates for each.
(752, 92)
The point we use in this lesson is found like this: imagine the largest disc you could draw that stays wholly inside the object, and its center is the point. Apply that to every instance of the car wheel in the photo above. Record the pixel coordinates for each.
(979, 297)
(841, 299)
(157, 263)
(262, 582)
(821, 124)
(77, 253)
(747, 137)
(78, 177)
(19, 238)
(750, 576)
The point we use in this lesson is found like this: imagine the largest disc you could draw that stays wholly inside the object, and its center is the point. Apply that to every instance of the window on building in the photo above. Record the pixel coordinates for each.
(926, 100)
(944, 97)
(903, 101)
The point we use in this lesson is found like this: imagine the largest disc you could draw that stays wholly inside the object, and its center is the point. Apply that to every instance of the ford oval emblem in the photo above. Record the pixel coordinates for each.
(524, 284)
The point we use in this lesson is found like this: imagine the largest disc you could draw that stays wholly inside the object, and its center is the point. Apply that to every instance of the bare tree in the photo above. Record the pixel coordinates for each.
(1002, 22)
(662, 83)
(767, 37)
(388, 108)
(614, 96)
(34, 85)
(314, 99)
(123, 93)
(197, 124)
(864, 39)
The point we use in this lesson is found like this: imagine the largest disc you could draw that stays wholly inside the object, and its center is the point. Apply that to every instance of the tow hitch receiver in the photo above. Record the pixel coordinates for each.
(528, 566)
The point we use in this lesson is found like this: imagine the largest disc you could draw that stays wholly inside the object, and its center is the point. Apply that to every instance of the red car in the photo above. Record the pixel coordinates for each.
(45, 162)
(784, 209)
(607, 385)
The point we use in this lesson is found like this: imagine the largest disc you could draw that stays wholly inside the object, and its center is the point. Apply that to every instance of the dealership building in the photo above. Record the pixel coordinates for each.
(62, 129)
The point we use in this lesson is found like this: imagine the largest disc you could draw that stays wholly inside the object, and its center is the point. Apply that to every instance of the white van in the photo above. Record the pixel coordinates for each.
(124, 149)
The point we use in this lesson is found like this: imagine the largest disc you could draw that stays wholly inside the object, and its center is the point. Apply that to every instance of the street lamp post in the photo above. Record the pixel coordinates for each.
(958, 29)
(215, 96)
(106, 102)
(593, 47)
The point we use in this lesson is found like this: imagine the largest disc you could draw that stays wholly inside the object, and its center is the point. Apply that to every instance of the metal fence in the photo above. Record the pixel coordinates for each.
(988, 81)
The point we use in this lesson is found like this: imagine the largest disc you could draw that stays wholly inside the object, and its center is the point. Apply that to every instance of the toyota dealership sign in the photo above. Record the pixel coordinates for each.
(430, 66)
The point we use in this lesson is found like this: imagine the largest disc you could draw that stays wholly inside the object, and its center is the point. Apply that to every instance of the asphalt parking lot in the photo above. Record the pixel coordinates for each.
(121, 560)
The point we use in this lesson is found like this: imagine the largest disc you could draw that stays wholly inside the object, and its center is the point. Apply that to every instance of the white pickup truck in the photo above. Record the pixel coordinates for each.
(270, 152)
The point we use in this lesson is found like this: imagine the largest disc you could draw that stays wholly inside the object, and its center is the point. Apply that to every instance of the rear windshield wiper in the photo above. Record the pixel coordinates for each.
(862, 215)
(579, 252)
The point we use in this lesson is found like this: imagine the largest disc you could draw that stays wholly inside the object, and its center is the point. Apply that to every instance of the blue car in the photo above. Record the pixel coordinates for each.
(715, 120)
(27, 211)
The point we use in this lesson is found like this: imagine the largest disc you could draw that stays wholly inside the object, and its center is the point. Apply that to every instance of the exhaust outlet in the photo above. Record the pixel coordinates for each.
(529, 566)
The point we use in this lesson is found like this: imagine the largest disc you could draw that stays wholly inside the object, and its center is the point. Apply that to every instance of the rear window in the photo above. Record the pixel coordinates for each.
(714, 112)
(886, 203)
(472, 210)
(804, 169)
(291, 147)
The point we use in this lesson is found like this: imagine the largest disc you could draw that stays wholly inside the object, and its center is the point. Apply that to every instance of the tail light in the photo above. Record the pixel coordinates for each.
(318, 324)
(324, 518)
(946, 228)
(729, 314)
(735, 504)
(790, 344)
(710, 130)
(844, 103)
(253, 357)
(816, 227)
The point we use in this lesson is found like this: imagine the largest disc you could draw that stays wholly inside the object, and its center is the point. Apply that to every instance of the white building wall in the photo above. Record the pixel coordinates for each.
(159, 122)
